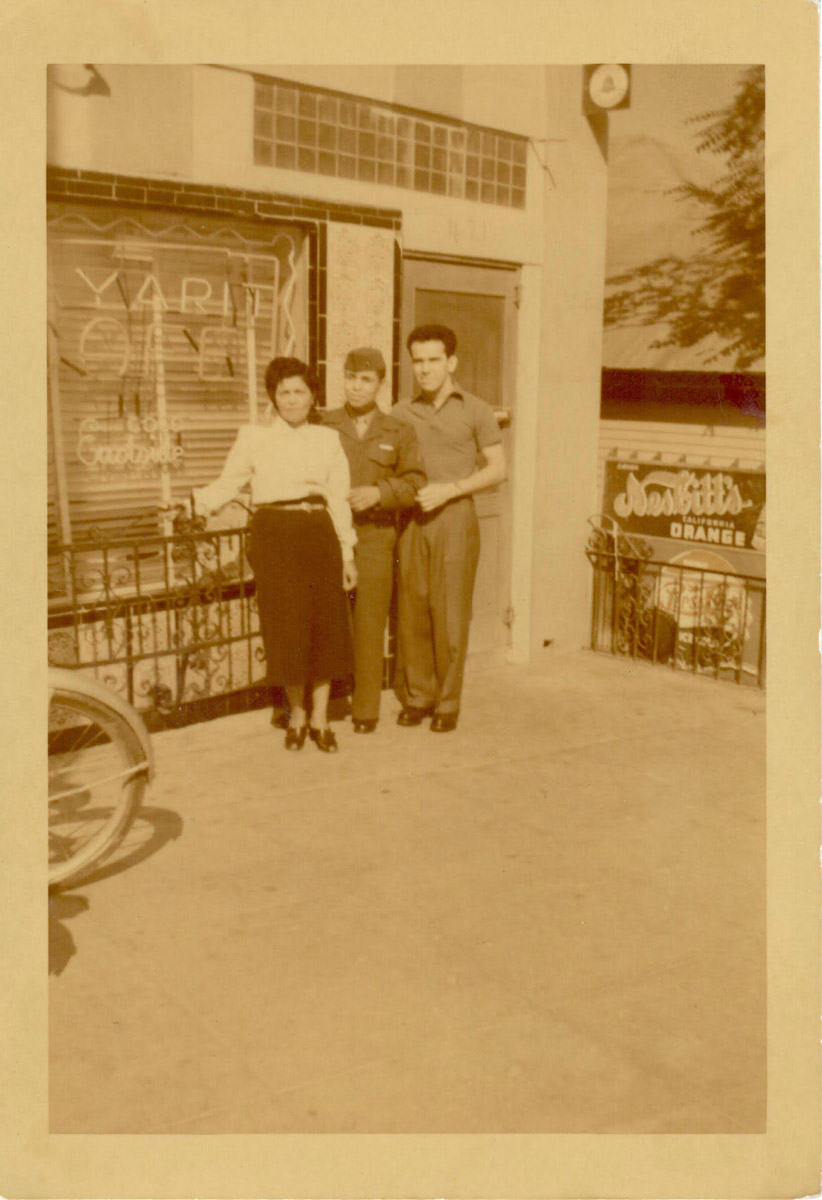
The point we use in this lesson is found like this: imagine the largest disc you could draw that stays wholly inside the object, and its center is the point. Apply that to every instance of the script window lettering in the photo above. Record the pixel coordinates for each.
(160, 331)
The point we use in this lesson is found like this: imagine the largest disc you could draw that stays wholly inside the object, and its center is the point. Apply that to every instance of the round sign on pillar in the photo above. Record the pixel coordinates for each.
(606, 86)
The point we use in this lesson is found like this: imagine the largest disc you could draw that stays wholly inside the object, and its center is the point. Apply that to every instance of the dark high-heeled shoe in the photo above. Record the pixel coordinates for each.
(295, 738)
(323, 739)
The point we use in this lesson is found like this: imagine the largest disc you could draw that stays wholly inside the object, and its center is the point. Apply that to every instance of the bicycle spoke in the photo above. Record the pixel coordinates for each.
(97, 773)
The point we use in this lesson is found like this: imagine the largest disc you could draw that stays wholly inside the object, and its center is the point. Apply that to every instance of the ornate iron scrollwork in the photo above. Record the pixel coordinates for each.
(695, 618)
(167, 620)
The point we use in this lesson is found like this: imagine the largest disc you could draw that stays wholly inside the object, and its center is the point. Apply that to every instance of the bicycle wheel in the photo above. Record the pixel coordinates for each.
(97, 775)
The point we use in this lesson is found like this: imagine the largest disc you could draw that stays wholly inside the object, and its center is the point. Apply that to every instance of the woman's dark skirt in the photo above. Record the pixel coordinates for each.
(305, 619)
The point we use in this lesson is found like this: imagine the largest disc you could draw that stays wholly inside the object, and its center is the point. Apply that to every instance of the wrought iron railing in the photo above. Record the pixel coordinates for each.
(169, 622)
(690, 618)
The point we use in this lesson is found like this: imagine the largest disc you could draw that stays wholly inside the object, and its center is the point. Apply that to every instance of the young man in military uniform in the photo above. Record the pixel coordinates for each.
(386, 473)
(440, 543)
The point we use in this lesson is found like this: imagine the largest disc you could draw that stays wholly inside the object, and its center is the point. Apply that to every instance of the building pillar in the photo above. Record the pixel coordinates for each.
(567, 422)
(524, 483)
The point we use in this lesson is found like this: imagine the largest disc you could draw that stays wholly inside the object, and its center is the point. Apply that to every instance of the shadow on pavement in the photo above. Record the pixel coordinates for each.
(153, 828)
(62, 906)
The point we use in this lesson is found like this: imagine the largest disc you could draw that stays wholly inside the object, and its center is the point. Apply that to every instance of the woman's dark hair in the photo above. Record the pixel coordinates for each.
(434, 333)
(287, 368)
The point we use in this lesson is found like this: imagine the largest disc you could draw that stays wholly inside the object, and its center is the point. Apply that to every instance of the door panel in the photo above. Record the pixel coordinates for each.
(479, 322)
(478, 304)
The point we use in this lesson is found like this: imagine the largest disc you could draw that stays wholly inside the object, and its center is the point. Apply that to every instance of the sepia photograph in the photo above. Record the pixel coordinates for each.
(386, 402)
(433, 734)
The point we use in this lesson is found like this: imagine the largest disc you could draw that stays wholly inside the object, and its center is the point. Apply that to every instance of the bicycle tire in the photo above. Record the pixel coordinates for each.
(98, 771)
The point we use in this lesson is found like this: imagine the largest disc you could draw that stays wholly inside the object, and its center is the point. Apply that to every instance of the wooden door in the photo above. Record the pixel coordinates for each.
(478, 303)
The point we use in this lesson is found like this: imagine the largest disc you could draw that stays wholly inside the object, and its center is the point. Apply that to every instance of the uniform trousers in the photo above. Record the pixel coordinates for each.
(305, 621)
(438, 556)
(374, 557)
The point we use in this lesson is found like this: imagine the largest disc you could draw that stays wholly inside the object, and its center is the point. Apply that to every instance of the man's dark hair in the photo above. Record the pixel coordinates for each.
(434, 333)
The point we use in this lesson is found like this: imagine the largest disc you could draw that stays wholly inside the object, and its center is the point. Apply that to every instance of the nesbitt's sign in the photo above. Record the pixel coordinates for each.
(714, 507)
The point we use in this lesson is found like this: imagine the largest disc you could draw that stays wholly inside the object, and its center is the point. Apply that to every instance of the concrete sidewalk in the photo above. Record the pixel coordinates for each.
(551, 920)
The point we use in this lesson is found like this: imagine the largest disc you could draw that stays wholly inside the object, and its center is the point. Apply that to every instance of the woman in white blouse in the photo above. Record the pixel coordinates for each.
(301, 546)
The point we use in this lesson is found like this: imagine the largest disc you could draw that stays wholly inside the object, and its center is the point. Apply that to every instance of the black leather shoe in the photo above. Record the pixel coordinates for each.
(295, 738)
(413, 716)
(365, 726)
(323, 739)
(444, 722)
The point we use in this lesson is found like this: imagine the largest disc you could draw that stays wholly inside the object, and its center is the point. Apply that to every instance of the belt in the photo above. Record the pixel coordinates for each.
(307, 504)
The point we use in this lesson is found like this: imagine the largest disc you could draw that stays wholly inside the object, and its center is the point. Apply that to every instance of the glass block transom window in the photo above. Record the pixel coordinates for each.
(306, 130)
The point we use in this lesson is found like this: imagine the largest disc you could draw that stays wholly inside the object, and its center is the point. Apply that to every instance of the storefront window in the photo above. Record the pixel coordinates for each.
(160, 329)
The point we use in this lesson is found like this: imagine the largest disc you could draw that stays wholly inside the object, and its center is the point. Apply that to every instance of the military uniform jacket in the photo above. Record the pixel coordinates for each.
(388, 456)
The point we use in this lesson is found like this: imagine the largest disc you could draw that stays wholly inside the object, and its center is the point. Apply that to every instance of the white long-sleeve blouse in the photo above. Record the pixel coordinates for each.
(286, 463)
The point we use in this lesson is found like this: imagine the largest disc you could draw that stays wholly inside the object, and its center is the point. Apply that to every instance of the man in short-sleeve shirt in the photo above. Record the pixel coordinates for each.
(439, 545)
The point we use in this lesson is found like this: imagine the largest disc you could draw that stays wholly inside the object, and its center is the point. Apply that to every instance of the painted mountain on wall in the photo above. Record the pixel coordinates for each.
(648, 220)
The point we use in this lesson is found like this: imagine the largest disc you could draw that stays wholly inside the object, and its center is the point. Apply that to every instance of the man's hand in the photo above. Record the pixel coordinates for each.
(434, 495)
(181, 517)
(349, 575)
(361, 498)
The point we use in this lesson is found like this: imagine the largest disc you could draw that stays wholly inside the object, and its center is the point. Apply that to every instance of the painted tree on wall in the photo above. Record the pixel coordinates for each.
(720, 291)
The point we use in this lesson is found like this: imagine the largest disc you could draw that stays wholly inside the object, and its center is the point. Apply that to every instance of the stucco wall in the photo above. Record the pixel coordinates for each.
(571, 345)
(223, 153)
(194, 123)
(143, 127)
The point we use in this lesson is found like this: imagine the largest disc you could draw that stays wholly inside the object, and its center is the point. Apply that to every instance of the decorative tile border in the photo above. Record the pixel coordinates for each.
(68, 183)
